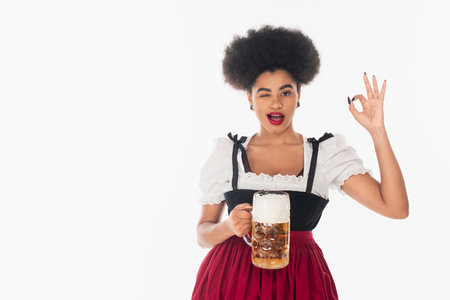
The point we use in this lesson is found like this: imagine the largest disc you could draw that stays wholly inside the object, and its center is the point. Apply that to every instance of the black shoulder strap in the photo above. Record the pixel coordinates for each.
(237, 145)
(312, 166)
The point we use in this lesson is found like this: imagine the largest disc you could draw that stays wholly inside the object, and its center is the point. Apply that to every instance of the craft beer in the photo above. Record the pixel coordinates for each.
(270, 229)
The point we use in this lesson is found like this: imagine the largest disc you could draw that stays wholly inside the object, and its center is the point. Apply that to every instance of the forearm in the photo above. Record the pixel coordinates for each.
(393, 189)
(210, 234)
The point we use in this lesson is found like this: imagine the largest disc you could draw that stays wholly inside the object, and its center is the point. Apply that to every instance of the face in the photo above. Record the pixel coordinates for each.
(274, 94)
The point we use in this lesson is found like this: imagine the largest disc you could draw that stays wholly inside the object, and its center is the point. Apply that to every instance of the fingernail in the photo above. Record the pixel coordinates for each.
(353, 98)
(373, 75)
(364, 73)
(348, 99)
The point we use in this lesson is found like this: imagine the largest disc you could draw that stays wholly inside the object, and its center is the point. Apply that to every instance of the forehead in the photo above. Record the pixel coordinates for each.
(276, 78)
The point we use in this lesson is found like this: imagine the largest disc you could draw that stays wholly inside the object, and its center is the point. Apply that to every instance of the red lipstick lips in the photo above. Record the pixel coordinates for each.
(275, 118)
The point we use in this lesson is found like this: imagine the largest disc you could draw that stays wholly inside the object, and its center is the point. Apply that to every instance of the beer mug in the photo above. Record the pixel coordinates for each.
(270, 229)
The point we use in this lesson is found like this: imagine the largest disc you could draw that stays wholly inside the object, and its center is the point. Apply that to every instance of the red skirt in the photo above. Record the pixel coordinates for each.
(227, 273)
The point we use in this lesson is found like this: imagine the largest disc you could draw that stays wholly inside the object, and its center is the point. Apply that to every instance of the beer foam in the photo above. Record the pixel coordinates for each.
(271, 208)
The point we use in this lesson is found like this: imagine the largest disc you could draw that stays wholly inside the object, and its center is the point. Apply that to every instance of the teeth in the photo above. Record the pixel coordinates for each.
(276, 117)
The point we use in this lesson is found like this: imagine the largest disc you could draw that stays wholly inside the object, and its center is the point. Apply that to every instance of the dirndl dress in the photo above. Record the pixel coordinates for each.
(227, 273)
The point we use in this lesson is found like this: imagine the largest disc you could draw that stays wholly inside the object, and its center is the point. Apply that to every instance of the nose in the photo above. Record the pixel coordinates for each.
(276, 103)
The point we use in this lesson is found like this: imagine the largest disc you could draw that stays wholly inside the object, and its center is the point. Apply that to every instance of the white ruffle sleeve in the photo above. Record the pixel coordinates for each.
(339, 161)
(215, 175)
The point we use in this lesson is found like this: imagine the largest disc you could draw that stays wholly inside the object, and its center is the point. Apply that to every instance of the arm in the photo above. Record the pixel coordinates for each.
(211, 232)
(389, 197)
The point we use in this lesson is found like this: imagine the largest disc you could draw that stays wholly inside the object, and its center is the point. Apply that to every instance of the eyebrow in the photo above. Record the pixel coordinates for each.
(269, 90)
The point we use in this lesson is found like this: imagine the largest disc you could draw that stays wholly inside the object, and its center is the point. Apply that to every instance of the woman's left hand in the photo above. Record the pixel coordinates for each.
(371, 117)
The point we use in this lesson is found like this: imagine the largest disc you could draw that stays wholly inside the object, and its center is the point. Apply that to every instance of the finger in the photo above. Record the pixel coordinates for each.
(361, 98)
(375, 86)
(368, 87)
(353, 109)
(243, 206)
(383, 90)
(242, 214)
(243, 225)
(244, 228)
(247, 225)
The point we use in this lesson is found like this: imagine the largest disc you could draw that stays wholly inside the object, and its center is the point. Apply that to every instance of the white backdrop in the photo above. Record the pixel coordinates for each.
(108, 109)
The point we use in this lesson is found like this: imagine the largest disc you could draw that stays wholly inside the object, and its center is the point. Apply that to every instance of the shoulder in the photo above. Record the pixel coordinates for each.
(335, 150)
(339, 160)
(220, 155)
(333, 142)
(328, 141)
(223, 143)
(330, 138)
(221, 147)
(222, 150)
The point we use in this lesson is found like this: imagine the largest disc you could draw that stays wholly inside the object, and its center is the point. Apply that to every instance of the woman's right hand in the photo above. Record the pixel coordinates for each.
(240, 219)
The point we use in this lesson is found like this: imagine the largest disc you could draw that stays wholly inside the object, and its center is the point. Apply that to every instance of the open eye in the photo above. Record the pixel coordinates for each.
(286, 92)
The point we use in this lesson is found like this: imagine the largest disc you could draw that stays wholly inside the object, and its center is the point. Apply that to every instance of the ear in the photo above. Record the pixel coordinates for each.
(249, 97)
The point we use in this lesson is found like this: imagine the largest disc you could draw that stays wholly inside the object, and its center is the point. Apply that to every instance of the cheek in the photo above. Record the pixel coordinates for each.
(262, 115)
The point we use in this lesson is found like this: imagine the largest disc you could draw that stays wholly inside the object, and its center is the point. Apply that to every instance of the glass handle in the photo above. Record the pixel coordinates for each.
(247, 239)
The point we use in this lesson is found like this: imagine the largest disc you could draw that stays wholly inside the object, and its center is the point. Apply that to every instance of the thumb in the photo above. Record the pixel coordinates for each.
(244, 205)
(353, 109)
(247, 207)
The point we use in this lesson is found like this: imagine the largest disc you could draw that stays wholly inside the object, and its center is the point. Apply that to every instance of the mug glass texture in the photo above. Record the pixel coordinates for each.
(270, 229)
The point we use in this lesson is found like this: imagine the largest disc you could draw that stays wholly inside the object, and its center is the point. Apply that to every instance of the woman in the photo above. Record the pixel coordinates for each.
(271, 64)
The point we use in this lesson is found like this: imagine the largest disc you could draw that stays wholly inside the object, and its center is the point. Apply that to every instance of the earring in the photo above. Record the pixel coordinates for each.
(251, 106)
(298, 104)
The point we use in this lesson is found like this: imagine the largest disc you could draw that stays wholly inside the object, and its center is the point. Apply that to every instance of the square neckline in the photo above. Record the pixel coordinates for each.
(300, 175)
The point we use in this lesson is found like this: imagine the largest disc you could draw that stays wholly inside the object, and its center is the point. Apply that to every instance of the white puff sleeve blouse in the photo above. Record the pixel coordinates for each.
(336, 162)
(339, 161)
(216, 172)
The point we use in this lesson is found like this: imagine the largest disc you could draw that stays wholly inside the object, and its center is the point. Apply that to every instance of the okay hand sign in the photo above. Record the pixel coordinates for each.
(371, 117)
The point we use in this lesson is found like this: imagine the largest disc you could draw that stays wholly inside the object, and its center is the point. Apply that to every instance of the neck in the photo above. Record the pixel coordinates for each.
(288, 136)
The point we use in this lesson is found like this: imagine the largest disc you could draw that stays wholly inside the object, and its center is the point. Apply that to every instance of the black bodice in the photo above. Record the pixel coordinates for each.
(306, 207)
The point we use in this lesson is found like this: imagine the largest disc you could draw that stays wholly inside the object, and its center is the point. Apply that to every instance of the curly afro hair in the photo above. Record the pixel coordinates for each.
(268, 49)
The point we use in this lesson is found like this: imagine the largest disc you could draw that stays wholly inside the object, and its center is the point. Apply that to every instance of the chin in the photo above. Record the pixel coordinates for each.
(276, 129)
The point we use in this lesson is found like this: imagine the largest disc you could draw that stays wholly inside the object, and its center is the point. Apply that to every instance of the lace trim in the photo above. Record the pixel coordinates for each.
(267, 182)
(276, 178)
(259, 181)
(346, 175)
(211, 199)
